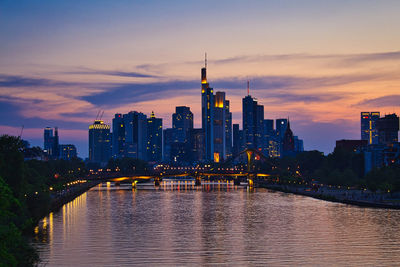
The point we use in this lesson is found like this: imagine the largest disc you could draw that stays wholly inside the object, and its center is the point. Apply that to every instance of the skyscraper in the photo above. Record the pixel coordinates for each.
(48, 141)
(135, 124)
(253, 118)
(228, 130)
(368, 127)
(288, 142)
(237, 139)
(219, 137)
(154, 138)
(182, 123)
(99, 142)
(56, 144)
(207, 114)
(281, 125)
(118, 136)
(388, 129)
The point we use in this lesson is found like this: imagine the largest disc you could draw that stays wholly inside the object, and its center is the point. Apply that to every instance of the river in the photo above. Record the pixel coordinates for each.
(179, 224)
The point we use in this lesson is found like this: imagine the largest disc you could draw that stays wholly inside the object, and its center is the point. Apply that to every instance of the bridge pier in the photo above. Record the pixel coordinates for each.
(134, 184)
(157, 181)
(197, 181)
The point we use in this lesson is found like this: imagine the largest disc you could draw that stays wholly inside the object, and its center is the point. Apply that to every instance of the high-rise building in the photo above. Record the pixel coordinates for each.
(268, 135)
(182, 123)
(168, 140)
(219, 138)
(135, 124)
(288, 142)
(56, 144)
(238, 140)
(99, 142)
(118, 136)
(67, 152)
(388, 129)
(48, 141)
(228, 130)
(154, 138)
(298, 144)
(207, 114)
(281, 125)
(197, 145)
(253, 118)
(368, 127)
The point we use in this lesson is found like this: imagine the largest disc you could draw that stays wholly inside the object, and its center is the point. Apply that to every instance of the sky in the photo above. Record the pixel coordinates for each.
(320, 63)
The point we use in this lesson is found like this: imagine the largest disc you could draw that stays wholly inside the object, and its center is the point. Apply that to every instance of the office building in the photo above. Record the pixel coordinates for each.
(368, 127)
(219, 138)
(288, 142)
(197, 151)
(118, 136)
(253, 119)
(68, 152)
(48, 141)
(135, 124)
(388, 129)
(99, 142)
(154, 138)
(228, 130)
(207, 114)
(182, 123)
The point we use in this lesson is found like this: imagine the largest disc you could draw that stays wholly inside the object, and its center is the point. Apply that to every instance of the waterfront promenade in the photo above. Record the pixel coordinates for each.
(360, 197)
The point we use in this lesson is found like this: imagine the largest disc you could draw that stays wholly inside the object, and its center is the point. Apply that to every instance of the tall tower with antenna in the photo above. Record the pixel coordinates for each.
(207, 113)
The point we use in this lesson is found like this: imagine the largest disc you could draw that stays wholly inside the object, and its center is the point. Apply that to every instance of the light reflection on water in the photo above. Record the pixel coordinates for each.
(178, 223)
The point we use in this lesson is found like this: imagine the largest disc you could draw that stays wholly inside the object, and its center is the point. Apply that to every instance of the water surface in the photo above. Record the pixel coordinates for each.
(216, 224)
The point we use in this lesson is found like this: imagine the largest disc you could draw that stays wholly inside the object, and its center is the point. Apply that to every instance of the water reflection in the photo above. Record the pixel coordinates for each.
(178, 223)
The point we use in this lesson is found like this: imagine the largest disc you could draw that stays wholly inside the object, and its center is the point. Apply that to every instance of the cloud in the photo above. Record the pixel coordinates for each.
(23, 81)
(383, 101)
(88, 71)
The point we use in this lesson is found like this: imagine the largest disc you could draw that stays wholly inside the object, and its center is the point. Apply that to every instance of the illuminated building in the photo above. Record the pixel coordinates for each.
(67, 152)
(48, 141)
(99, 142)
(118, 136)
(350, 145)
(135, 124)
(207, 114)
(253, 118)
(388, 129)
(270, 145)
(154, 138)
(219, 128)
(182, 123)
(368, 127)
(281, 125)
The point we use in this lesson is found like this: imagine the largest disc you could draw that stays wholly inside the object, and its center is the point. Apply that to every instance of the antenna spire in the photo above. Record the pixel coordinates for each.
(205, 60)
(248, 87)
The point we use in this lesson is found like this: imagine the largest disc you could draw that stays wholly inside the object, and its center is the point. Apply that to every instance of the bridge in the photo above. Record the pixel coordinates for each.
(198, 173)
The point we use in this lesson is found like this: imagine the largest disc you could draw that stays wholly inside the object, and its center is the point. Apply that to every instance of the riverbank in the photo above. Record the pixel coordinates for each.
(60, 198)
(364, 198)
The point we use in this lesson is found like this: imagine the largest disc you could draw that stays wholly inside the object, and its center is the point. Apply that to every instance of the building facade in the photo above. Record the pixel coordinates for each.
(99, 142)
(369, 131)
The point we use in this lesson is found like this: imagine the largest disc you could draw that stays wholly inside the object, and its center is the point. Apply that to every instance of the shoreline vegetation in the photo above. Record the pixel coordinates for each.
(30, 189)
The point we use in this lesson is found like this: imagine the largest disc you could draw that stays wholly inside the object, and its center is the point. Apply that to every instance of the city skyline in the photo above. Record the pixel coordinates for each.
(333, 71)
